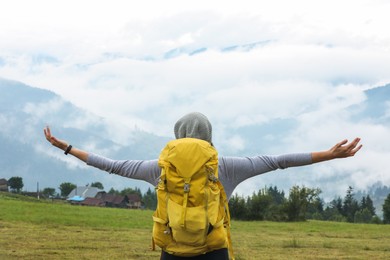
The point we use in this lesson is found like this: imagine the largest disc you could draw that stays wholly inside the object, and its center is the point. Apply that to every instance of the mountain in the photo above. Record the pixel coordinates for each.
(25, 110)
(377, 105)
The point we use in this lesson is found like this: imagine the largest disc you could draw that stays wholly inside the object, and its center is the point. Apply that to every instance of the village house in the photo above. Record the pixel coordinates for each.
(92, 196)
(3, 185)
(79, 194)
(93, 202)
(134, 201)
(112, 200)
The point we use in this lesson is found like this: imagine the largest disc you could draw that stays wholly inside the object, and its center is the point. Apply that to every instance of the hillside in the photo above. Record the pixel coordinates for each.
(25, 110)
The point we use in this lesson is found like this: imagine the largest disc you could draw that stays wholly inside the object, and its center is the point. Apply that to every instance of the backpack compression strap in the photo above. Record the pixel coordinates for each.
(185, 200)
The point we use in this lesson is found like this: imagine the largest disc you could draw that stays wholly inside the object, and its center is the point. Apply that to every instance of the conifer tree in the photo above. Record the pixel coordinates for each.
(386, 210)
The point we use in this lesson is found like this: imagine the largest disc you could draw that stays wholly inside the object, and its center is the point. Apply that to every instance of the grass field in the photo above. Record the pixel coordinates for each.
(32, 229)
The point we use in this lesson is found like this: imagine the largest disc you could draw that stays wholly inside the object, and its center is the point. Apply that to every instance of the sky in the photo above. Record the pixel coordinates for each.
(242, 63)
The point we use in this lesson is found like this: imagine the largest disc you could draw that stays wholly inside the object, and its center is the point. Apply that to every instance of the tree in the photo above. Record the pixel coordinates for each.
(66, 188)
(49, 192)
(267, 204)
(127, 191)
(150, 199)
(363, 216)
(298, 202)
(367, 203)
(16, 184)
(98, 185)
(386, 210)
(333, 211)
(337, 204)
(315, 209)
(277, 195)
(350, 205)
(113, 191)
(237, 207)
(258, 205)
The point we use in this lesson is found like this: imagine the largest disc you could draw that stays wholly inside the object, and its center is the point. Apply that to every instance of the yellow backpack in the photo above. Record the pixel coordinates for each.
(192, 214)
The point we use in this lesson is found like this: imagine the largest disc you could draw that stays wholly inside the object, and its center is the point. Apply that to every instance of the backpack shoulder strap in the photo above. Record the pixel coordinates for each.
(227, 218)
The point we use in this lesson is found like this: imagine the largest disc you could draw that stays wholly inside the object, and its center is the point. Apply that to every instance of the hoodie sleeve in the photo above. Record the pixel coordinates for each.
(234, 170)
(146, 170)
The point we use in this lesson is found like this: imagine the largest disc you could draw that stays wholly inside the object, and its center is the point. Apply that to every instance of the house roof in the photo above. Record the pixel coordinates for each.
(84, 192)
(119, 199)
(3, 182)
(93, 202)
(134, 197)
(76, 198)
(108, 197)
(111, 198)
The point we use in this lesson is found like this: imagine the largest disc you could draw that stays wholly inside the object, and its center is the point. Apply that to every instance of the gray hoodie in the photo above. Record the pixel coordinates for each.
(231, 172)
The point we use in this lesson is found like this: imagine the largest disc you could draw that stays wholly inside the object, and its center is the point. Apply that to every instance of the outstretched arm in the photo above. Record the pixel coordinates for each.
(82, 155)
(146, 170)
(342, 149)
(234, 170)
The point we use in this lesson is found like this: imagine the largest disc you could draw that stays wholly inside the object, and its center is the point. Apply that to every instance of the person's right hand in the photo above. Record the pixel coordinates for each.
(54, 141)
(344, 149)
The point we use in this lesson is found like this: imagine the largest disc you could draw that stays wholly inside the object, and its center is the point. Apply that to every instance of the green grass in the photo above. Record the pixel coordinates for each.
(33, 211)
(32, 229)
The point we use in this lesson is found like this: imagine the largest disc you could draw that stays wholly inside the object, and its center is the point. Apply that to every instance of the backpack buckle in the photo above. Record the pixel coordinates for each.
(186, 187)
(213, 178)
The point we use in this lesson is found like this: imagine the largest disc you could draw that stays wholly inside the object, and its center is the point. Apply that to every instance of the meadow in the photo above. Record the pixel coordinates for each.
(39, 229)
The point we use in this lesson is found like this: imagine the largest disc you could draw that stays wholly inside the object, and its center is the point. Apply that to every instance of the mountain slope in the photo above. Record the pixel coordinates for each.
(25, 110)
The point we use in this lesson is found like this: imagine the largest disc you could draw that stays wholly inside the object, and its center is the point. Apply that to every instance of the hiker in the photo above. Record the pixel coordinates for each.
(231, 170)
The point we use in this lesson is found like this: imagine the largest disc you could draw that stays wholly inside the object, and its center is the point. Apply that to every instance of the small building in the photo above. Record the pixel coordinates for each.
(134, 201)
(93, 202)
(112, 200)
(84, 192)
(3, 185)
(76, 199)
(79, 194)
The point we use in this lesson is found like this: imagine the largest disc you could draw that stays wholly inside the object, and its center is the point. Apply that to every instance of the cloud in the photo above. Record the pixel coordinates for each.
(242, 65)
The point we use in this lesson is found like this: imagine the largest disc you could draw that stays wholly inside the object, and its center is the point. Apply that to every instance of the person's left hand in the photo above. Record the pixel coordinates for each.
(53, 140)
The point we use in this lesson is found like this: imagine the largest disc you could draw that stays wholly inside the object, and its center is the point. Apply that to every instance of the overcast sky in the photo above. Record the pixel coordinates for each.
(241, 63)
